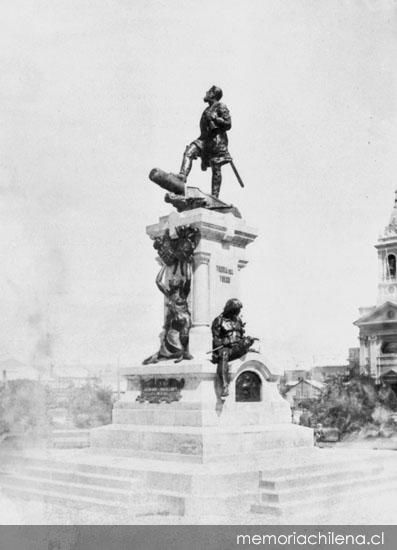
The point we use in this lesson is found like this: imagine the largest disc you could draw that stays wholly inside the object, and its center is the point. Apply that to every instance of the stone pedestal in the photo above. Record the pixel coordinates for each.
(218, 259)
(199, 456)
(186, 442)
(196, 426)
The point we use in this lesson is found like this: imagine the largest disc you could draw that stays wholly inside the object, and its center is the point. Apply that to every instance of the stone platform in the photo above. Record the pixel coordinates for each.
(309, 486)
(209, 450)
(196, 459)
(197, 426)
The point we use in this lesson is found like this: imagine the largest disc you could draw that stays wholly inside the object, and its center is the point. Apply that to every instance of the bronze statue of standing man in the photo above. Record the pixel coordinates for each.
(212, 144)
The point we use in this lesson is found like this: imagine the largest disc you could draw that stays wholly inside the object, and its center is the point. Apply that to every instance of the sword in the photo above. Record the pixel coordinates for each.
(218, 348)
(227, 345)
(236, 174)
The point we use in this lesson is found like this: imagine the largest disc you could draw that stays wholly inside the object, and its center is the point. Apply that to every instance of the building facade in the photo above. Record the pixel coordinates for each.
(378, 324)
(303, 390)
(295, 375)
(325, 372)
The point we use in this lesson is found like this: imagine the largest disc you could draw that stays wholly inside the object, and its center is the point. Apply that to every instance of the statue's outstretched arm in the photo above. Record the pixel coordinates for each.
(159, 281)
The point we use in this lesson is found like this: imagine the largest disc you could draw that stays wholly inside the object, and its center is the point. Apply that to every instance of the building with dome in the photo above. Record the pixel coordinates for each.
(378, 324)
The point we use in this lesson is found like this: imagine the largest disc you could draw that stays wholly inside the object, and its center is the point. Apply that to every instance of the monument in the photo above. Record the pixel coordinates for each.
(202, 415)
(202, 434)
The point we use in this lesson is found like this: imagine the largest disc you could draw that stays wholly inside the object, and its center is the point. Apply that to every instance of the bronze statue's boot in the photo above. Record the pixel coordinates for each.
(187, 355)
(152, 359)
(216, 181)
(186, 166)
(224, 368)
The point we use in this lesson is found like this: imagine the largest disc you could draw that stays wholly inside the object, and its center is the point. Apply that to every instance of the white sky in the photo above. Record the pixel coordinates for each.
(94, 93)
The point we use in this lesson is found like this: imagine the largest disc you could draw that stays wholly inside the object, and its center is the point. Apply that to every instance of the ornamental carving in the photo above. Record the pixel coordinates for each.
(174, 251)
(174, 282)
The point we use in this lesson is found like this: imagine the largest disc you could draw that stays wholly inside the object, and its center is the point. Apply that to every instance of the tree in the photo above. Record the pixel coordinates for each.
(91, 406)
(350, 405)
(23, 408)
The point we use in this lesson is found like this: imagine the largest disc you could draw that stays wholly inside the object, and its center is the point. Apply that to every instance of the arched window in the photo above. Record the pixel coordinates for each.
(391, 266)
(389, 347)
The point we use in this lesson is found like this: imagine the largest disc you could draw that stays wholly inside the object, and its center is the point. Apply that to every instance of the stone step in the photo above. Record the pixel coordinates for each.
(71, 488)
(323, 462)
(69, 443)
(344, 471)
(235, 458)
(199, 442)
(318, 504)
(100, 480)
(13, 461)
(213, 489)
(74, 433)
(200, 430)
(227, 505)
(167, 474)
(161, 417)
(310, 491)
(236, 504)
(182, 417)
(86, 510)
(208, 484)
(175, 405)
(54, 496)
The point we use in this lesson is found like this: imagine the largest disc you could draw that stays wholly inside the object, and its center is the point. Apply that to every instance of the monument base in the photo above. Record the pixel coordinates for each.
(189, 442)
(176, 453)
(173, 411)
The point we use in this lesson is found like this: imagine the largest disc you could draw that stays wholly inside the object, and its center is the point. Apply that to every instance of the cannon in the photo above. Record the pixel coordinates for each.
(169, 182)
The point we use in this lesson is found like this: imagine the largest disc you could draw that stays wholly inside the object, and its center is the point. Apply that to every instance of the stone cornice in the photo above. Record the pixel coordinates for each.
(241, 264)
(367, 331)
(384, 242)
(213, 226)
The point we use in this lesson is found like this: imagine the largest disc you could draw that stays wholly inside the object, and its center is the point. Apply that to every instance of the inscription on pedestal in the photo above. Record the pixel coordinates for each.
(225, 273)
(160, 390)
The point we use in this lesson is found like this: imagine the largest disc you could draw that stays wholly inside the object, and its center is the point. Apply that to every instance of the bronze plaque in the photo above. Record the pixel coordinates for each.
(160, 390)
(248, 387)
